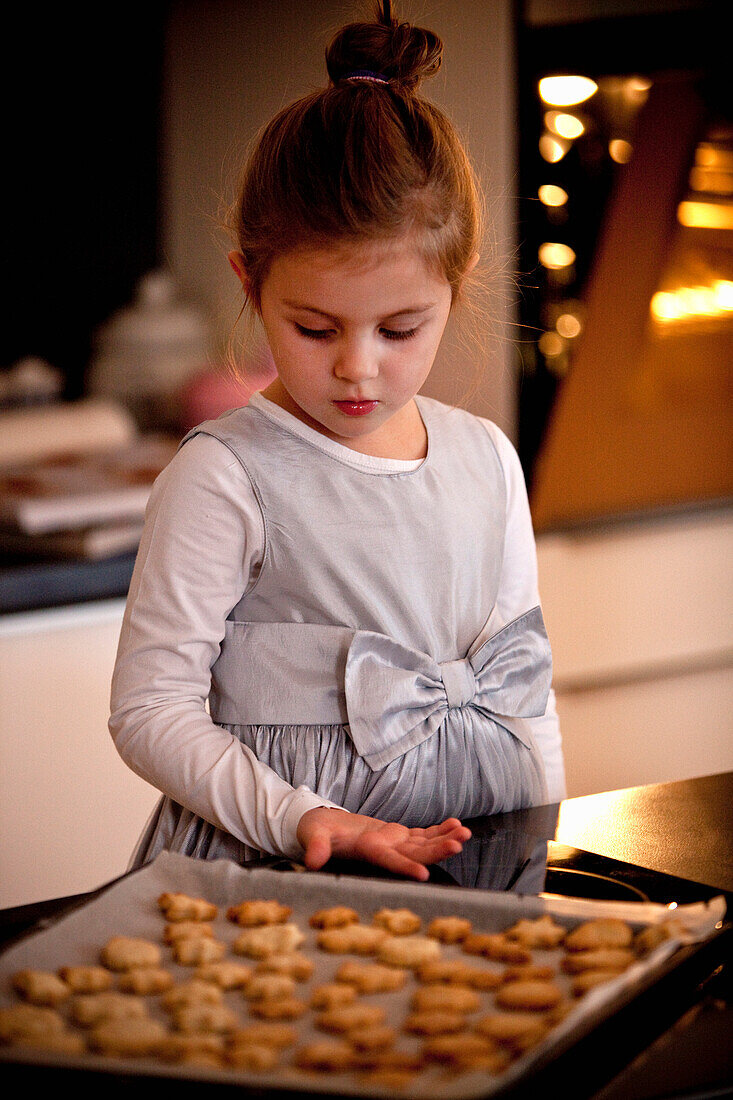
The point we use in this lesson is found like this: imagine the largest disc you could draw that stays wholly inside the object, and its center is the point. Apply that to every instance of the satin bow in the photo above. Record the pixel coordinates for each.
(397, 697)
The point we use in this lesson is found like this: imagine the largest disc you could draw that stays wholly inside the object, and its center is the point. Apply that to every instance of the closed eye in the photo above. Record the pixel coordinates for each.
(397, 333)
(314, 333)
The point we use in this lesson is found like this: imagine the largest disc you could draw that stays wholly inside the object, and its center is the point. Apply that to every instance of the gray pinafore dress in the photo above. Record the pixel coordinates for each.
(360, 661)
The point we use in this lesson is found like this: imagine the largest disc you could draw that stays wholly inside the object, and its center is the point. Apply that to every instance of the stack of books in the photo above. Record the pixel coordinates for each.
(87, 504)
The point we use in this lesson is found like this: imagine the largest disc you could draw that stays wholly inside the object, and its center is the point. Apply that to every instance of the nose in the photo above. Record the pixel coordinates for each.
(356, 362)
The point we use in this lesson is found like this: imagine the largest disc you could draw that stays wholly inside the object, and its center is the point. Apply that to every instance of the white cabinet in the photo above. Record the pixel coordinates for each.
(70, 809)
(640, 616)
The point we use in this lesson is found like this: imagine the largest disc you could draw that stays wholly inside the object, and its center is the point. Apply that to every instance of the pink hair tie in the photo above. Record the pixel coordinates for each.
(365, 75)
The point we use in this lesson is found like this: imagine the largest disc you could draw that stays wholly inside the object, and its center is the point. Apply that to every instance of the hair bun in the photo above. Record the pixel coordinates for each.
(403, 54)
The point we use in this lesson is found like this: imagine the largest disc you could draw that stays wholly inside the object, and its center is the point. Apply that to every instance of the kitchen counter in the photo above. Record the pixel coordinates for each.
(32, 586)
(664, 842)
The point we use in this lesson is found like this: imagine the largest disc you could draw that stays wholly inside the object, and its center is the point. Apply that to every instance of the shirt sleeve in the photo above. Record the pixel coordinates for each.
(202, 546)
(518, 592)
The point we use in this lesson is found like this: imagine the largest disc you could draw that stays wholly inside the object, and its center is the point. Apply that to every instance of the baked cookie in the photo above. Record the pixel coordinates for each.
(294, 963)
(519, 1031)
(347, 1018)
(337, 916)
(252, 1056)
(649, 938)
(124, 952)
(278, 1008)
(19, 1020)
(198, 950)
(495, 945)
(225, 973)
(371, 977)
(181, 1047)
(185, 929)
(540, 932)
(466, 1051)
(129, 1037)
(600, 933)
(449, 929)
(528, 972)
(327, 1056)
(264, 1034)
(199, 1017)
(408, 951)
(398, 922)
(269, 987)
(272, 939)
(90, 1009)
(256, 912)
(54, 1042)
(445, 998)
(605, 958)
(434, 1022)
(40, 987)
(331, 995)
(529, 995)
(181, 907)
(145, 980)
(375, 1037)
(86, 979)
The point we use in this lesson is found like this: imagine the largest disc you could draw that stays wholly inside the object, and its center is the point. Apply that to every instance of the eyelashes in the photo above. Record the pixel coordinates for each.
(325, 333)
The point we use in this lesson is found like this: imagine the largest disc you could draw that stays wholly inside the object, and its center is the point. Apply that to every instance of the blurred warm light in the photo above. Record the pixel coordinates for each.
(691, 302)
(708, 155)
(705, 215)
(638, 84)
(564, 125)
(620, 150)
(568, 325)
(712, 180)
(552, 195)
(554, 255)
(551, 344)
(553, 148)
(566, 91)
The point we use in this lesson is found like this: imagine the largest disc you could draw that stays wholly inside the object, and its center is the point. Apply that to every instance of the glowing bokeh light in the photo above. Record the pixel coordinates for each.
(564, 125)
(552, 148)
(554, 255)
(551, 195)
(690, 302)
(568, 325)
(705, 215)
(566, 91)
(620, 150)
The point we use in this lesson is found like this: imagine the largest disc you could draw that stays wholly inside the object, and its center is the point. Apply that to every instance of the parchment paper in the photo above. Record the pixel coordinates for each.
(129, 906)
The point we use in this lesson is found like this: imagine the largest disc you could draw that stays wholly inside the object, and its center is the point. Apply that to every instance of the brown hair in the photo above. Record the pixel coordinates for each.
(362, 160)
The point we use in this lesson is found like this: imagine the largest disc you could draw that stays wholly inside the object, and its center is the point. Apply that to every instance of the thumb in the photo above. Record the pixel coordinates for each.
(317, 850)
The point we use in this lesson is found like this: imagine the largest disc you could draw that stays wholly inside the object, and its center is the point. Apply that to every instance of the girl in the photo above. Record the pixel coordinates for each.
(333, 643)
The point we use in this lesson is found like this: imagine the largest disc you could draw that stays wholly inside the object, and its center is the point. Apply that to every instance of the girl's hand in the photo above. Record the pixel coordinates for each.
(324, 833)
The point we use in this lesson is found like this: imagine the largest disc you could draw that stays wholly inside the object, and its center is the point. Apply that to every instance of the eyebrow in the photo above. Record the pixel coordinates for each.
(411, 311)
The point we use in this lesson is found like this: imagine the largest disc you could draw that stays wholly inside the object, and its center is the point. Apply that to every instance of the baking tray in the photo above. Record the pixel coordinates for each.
(129, 906)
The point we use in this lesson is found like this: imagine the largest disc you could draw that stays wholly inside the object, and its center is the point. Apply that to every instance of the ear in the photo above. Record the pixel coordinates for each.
(472, 262)
(236, 259)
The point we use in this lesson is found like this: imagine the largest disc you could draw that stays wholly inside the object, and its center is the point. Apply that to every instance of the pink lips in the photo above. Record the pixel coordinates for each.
(356, 408)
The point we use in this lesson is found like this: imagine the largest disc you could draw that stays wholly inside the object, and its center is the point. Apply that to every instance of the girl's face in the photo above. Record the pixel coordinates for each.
(353, 333)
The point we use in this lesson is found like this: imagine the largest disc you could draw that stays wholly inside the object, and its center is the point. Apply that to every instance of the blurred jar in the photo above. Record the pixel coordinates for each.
(145, 353)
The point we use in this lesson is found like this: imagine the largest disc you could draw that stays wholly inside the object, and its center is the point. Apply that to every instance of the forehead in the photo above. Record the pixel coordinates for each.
(388, 275)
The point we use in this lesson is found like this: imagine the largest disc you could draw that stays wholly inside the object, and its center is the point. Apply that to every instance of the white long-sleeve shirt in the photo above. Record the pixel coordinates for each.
(202, 546)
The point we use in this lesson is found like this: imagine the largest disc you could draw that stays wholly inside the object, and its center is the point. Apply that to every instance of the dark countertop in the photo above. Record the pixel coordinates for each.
(669, 841)
(32, 586)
